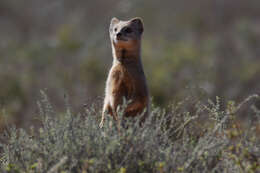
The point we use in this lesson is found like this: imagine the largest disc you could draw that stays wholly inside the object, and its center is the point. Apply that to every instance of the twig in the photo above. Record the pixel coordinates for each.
(58, 165)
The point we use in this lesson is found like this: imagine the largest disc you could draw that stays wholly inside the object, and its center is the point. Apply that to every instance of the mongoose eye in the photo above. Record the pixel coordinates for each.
(115, 29)
(128, 30)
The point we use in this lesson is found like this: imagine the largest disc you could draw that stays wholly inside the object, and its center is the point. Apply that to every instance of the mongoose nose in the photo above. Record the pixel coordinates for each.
(118, 35)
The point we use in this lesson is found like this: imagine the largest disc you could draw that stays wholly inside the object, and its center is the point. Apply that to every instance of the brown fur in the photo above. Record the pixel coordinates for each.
(126, 78)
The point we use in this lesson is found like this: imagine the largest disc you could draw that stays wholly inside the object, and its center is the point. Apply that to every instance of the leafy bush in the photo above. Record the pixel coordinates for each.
(190, 137)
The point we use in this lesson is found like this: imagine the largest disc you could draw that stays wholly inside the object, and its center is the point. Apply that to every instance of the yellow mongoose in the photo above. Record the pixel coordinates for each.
(126, 77)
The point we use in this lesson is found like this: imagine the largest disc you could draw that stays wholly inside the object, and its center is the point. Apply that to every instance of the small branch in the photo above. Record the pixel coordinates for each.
(185, 124)
(55, 168)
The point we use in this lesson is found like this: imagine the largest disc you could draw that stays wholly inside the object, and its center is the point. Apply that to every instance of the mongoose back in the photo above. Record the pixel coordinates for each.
(126, 78)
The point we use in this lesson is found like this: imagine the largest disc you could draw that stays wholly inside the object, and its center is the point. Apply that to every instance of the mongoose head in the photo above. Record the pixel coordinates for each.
(126, 35)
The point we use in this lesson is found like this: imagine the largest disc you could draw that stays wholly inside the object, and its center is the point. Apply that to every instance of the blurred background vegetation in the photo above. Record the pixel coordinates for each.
(201, 48)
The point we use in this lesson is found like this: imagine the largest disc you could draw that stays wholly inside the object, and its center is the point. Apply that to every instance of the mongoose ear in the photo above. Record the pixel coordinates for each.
(114, 21)
(138, 23)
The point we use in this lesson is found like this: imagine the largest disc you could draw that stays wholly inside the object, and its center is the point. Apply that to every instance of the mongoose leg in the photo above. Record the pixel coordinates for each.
(106, 110)
(101, 124)
(135, 108)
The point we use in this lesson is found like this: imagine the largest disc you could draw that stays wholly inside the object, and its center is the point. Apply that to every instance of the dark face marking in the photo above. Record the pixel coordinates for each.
(128, 30)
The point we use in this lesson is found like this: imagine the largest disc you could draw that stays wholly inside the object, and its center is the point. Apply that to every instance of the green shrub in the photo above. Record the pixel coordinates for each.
(204, 139)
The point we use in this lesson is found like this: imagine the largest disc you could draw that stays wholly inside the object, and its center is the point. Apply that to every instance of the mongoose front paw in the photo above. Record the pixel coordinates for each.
(101, 124)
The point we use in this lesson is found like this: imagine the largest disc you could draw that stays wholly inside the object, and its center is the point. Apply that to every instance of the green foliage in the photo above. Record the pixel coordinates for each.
(169, 141)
